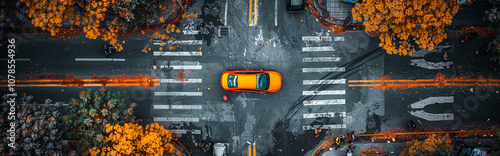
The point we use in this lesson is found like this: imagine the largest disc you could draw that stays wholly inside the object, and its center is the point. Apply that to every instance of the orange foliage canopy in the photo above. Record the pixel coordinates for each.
(49, 15)
(399, 21)
(429, 146)
(133, 139)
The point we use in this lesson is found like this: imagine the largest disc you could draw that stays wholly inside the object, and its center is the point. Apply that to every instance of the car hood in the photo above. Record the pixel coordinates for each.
(219, 152)
(276, 81)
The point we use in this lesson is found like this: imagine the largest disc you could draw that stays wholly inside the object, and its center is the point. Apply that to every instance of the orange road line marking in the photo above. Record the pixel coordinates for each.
(82, 85)
(423, 80)
(254, 153)
(255, 12)
(249, 150)
(82, 80)
(250, 13)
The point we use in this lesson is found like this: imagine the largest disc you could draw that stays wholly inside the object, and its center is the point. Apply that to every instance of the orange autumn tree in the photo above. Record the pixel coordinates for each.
(397, 22)
(94, 15)
(49, 14)
(133, 139)
(434, 145)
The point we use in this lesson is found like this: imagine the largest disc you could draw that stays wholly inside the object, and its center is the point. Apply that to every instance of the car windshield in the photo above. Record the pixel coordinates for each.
(297, 2)
(232, 81)
(263, 81)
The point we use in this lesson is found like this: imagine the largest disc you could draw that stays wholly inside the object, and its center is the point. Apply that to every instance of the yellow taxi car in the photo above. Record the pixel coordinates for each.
(251, 81)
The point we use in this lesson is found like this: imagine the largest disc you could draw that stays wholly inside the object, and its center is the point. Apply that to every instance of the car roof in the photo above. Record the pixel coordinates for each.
(247, 81)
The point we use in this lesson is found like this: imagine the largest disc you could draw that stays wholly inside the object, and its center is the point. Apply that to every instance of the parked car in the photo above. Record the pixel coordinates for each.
(295, 6)
(220, 149)
(251, 81)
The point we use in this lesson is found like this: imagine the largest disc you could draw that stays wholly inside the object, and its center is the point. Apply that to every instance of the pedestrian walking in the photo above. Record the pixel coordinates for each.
(224, 97)
(108, 50)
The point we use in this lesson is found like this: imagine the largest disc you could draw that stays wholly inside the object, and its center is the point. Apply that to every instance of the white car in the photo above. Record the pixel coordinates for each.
(219, 149)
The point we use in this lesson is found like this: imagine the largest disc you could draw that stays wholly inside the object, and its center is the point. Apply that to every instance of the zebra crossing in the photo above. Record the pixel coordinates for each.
(320, 58)
(168, 107)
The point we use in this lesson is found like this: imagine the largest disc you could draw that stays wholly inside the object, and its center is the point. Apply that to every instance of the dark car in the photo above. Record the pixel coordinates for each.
(295, 6)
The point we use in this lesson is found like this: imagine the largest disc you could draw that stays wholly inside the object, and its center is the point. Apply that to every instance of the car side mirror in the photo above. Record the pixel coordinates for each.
(260, 69)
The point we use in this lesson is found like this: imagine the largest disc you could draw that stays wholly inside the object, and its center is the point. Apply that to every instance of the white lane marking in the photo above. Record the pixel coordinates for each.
(339, 38)
(161, 107)
(184, 131)
(327, 69)
(316, 49)
(335, 126)
(185, 107)
(180, 67)
(317, 82)
(324, 102)
(180, 81)
(324, 92)
(317, 38)
(276, 13)
(99, 59)
(17, 59)
(177, 53)
(191, 32)
(432, 117)
(321, 59)
(179, 42)
(324, 115)
(432, 100)
(225, 14)
(175, 119)
(178, 94)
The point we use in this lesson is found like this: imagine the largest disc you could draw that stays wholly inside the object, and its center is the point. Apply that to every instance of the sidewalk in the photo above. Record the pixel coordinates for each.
(392, 148)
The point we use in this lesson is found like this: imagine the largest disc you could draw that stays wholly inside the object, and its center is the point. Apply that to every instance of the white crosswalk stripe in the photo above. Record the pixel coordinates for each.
(178, 94)
(161, 106)
(317, 49)
(179, 42)
(321, 59)
(325, 69)
(177, 106)
(185, 131)
(324, 92)
(334, 126)
(180, 80)
(341, 38)
(317, 38)
(175, 119)
(317, 82)
(191, 32)
(181, 67)
(325, 115)
(324, 102)
(177, 53)
(186, 107)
